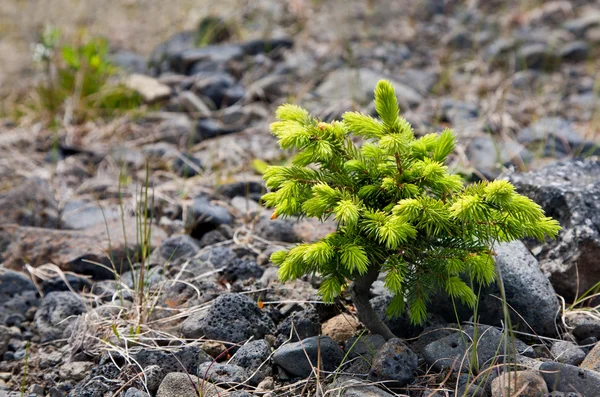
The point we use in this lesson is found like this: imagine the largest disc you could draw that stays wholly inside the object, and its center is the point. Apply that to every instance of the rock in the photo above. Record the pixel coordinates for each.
(202, 217)
(245, 207)
(56, 312)
(341, 327)
(5, 336)
(576, 51)
(569, 379)
(292, 357)
(149, 88)
(276, 230)
(259, 46)
(193, 104)
(458, 38)
(231, 318)
(592, 360)
(30, 204)
(211, 128)
(186, 165)
(75, 371)
(224, 375)
(583, 326)
(298, 326)
(254, 356)
(220, 88)
(74, 251)
(251, 189)
(345, 386)
(81, 215)
(497, 52)
(177, 384)
(133, 392)
(129, 61)
(489, 155)
(58, 283)
(580, 25)
(422, 81)
(570, 193)
(210, 58)
(18, 295)
(527, 383)
(364, 346)
(537, 56)
(568, 353)
(394, 364)
(154, 374)
(184, 360)
(240, 270)
(453, 351)
(176, 130)
(557, 135)
(359, 84)
(530, 296)
(174, 250)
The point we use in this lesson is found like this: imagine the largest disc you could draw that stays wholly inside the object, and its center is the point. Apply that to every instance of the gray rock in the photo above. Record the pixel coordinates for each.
(193, 104)
(211, 128)
(242, 269)
(221, 374)
(298, 326)
(453, 351)
(75, 371)
(254, 357)
(537, 56)
(129, 61)
(584, 326)
(567, 353)
(359, 84)
(204, 217)
(570, 193)
(153, 375)
(576, 51)
(81, 215)
(422, 81)
(31, 203)
(174, 250)
(276, 230)
(558, 137)
(177, 384)
(458, 38)
(570, 379)
(17, 296)
(231, 318)
(292, 357)
(251, 189)
(497, 52)
(350, 387)
(220, 88)
(57, 311)
(133, 392)
(529, 294)
(394, 364)
(184, 360)
(489, 155)
(580, 25)
(186, 165)
(5, 335)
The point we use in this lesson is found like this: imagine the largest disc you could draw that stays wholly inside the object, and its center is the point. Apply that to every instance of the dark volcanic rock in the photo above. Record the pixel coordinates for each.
(204, 217)
(570, 379)
(231, 318)
(57, 311)
(254, 357)
(570, 193)
(394, 364)
(293, 359)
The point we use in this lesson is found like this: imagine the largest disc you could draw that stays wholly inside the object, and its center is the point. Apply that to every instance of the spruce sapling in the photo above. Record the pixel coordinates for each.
(398, 209)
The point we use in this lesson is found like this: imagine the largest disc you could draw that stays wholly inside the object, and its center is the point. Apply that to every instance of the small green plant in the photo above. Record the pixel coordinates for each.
(399, 210)
(80, 75)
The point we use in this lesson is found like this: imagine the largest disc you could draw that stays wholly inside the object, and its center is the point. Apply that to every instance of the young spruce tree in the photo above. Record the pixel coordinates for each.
(398, 210)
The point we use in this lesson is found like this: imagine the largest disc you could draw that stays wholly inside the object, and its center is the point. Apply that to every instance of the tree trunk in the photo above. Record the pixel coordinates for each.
(360, 297)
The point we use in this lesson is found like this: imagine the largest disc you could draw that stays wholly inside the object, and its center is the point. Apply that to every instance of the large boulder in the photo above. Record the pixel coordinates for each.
(570, 193)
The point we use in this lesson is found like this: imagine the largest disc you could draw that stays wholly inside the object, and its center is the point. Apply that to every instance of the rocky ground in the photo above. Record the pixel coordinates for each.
(517, 81)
